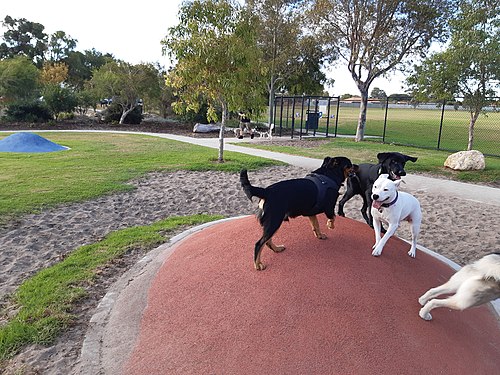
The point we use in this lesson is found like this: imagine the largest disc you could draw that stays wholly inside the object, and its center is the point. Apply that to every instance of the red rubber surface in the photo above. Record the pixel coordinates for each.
(320, 307)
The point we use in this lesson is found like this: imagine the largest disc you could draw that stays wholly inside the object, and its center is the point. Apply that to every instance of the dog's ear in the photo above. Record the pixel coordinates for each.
(355, 168)
(384, 175)
(326, 162)
(382, 156)
(410, 158)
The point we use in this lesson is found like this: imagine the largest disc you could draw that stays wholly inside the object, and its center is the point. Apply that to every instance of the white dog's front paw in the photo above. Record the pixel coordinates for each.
(422, 300)
(424, 315)
(412, 253)
(376, 251)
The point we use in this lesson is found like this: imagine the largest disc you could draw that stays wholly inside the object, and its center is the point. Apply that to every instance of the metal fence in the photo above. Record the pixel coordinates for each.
(438, 126)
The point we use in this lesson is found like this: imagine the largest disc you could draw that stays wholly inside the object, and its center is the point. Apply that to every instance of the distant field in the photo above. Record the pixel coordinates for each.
(408, 126)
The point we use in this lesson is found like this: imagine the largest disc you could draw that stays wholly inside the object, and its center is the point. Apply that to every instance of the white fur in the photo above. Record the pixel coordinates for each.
(268, 133)
(473, 285)
(406, 207)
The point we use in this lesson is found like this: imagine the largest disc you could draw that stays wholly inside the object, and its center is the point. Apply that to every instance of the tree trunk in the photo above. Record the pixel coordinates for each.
(360, 131)
(221, 133)
(473, 119)
(124, 114)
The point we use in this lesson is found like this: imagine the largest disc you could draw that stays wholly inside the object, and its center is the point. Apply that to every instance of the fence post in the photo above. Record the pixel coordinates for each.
(328, 116)
(301, 116)
(293, 116)
(337, 116)
(281, 115)
(441, 125)
(385, 118)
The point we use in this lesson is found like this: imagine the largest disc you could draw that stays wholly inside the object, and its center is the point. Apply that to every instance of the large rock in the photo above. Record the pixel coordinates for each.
(205, 128)
(465, 161)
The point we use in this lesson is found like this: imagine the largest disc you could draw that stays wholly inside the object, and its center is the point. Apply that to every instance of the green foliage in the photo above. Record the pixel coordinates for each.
(28, 111)
(45, 301)
(217, 59)
(291, 60)
(378, 93)
(23, 38)
(86, 98)
(19, 79)
(81, 66)
(60, 46)
(59, 99)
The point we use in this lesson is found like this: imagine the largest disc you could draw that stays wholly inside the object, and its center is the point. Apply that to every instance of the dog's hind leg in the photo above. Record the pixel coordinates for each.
(349, 193)
(270, 226)
(366, 207)
(415, 230)
(276, 248)
(451, 286)
(467, 295)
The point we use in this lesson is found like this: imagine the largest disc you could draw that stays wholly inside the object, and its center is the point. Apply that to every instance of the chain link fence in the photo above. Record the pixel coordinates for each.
(438, 126)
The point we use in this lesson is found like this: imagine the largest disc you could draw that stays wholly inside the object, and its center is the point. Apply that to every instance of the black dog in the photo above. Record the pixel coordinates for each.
(309, 196)
(392, 163)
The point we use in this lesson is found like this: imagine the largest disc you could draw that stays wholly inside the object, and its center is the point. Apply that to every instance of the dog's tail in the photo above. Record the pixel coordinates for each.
(251, 191)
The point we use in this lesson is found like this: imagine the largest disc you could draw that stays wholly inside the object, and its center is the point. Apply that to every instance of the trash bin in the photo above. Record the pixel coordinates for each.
(312, 120)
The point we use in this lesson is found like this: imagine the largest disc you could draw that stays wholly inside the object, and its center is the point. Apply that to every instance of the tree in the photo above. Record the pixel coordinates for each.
(375, 36)
(278, 25)
(378, 93)
(60, 46)
(469, 67)
(54, 73)
(214, 46)
(127, 84)
(306, 76)
(19, 79)
(24, 38)
(82, 65)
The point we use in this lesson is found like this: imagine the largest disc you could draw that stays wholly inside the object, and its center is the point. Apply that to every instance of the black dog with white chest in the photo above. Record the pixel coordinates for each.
(391, 163)
(316, 193)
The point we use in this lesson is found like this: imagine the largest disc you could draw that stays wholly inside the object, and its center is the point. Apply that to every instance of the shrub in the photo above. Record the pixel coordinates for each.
(59, 99)
(28, 111)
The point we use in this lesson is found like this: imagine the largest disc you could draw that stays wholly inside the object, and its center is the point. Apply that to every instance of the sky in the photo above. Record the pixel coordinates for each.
(132, 32)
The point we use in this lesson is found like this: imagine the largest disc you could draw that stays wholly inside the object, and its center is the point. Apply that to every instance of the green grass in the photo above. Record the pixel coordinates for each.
(97, 164)
(429, 161)
(45, 302)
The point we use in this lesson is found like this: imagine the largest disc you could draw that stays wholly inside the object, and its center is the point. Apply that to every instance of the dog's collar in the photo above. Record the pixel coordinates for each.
(390, 203)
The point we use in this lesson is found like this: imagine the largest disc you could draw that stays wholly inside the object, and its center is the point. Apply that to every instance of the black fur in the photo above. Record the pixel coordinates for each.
(392, 163)
(296, 197)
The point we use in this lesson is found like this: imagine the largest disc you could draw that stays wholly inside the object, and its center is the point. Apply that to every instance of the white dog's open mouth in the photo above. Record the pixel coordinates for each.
(378, 204)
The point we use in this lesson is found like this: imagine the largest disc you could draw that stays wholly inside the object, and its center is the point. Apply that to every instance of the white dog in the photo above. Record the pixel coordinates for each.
(391, 206)
(474, 284)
